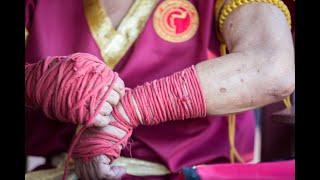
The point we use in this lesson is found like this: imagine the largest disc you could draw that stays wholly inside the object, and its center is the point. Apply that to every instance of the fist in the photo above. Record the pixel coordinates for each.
(100, 167)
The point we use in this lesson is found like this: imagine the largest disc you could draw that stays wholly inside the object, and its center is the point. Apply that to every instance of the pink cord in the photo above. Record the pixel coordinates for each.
(176, 97)
(69, 88)
(73, 89)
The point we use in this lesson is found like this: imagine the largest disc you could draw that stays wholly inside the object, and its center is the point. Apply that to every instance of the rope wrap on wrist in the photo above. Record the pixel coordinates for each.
(176, 97)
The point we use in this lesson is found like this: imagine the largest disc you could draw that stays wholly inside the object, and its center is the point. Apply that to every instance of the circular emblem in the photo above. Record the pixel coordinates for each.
(176, 20)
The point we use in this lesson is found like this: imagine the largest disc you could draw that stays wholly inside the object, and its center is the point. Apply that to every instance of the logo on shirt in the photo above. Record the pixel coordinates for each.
(176, 20)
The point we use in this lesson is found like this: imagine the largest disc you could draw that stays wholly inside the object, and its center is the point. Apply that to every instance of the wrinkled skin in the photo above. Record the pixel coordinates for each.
(116, 93)
(99, 167)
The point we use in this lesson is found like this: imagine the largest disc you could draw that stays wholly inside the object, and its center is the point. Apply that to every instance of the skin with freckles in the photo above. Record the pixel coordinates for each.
(259, 70)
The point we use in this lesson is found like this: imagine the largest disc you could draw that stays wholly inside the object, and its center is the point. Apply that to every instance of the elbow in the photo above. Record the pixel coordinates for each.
(282, 87)
(281, 77)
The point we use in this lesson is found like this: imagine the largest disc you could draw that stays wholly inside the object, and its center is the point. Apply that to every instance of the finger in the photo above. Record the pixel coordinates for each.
(114, 131)
(91, 172)
(101, 121)
(103, 158)
(113, 98)
(97, 171)
(102, 166)
(106, 109)
(77, 169)
(103, 91)
(121, 171)
(123, 113)
(119, 87)
(116, 172)
(83, 169)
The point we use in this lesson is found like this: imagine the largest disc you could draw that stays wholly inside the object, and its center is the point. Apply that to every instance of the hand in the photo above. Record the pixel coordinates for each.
(116, 94)
(99, 167)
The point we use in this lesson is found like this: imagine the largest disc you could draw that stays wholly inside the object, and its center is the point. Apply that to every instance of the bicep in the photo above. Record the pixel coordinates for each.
(257, 26)
(262, 30)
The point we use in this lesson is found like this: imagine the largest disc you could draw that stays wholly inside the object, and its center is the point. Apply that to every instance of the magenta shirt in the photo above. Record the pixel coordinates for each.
(59, 27)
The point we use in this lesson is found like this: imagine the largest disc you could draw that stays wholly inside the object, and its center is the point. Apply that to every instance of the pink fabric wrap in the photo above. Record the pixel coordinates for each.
(282, 170)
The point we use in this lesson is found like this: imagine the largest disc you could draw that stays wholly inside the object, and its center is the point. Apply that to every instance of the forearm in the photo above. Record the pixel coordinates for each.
(260, 67)
(175, 97)
(238, 81)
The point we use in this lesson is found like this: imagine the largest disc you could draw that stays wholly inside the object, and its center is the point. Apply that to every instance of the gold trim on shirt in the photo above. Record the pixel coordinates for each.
(135, 167)
(114, 43)
(218, 6)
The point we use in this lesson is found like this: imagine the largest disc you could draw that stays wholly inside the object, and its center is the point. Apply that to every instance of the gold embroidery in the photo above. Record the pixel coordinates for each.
(50, 174)
(114, 43)
(218, 7)
(139, 167)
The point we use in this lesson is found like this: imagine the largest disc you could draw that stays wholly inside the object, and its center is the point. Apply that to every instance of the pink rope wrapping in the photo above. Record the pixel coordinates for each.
(69, 88)
(73, 89)
(176, 97)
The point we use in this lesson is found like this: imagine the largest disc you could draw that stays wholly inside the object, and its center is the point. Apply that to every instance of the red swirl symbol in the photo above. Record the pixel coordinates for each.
(178, 20)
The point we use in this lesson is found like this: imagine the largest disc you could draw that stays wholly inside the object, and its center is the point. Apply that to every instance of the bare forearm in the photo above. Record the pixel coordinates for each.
(260, 68)
(238, 82)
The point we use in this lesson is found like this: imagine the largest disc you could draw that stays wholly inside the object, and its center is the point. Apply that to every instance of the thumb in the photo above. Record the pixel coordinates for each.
(118, 171)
